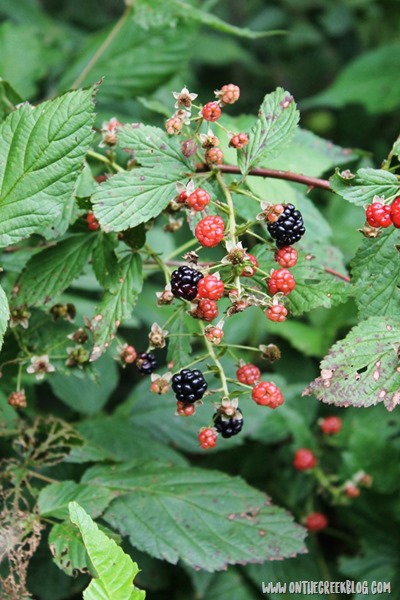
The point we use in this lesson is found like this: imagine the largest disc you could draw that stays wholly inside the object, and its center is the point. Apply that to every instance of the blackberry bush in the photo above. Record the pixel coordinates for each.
(106, 226)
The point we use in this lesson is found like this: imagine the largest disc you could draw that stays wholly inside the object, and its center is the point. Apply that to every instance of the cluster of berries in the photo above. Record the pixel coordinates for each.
(210, 113)
(145, 362)
(205, 288)
(379, 214)
(188, 283)
(305, 460)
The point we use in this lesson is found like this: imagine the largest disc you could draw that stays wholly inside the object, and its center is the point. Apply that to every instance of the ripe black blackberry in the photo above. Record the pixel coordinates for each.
(184, 282)
(228, 426)
(288, 228)
(189, 385)
(146, 362)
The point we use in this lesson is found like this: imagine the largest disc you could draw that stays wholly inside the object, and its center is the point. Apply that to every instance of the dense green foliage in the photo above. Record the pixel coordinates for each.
(86, 439)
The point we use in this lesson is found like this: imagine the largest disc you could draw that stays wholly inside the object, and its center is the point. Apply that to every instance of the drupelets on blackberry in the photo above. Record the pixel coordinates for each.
(288, 228)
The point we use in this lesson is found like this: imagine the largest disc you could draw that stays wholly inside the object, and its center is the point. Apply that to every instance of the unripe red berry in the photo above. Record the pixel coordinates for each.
(351, 490)
(228, 94)
(208, 437)
(92, 222)
(304, 459)
(277, 313)
(331, 425)
(395, 212)
(316, 521)
(210, 231)
(239, 140)
(267, 393)
(378, 215)
(248, 374)
(211, 111)
(286, 257)
(128, 354)
(214, 156)
(281, 280)
(207, 310)
(17, 399)
(198, 199)
(185, 410)
(182, 197)
(210, 287)
(173, 126)
(214, 335)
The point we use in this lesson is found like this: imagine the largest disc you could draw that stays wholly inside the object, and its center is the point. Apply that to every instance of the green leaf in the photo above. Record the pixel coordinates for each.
(370, 80)
(9, 98)
(4, 314)
(152, 147)
(311, 154)
(51, 271)
(117, 305)
(361, 188)
(179, 346)
(88, 390)
(131, 198)
(42, 149)
(105, 262)
(315, 287)
(68, 550)
(114, 568)
(205, 518)
(362, 369)
(273, 130)
(376, 275)
(119, 439)
(21, 57)
(156, 13)
(135, 63)
(128, 199)
(54, 499)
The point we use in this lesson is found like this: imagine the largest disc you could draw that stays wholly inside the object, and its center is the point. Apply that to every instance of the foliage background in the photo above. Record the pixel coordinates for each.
(43, 48)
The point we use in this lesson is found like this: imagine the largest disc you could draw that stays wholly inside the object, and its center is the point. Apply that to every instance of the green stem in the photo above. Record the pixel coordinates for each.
(42, 477)
(19, 376)
(229, 201)
(159, 261)
(105, 160)
(181, 249)
(220, 368)
(232, 222)
(100, 51)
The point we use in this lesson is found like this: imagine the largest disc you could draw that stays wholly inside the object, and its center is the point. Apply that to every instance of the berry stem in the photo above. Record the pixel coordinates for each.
(159, 261)
(105, 160)
(311, 182)
(186, 246)
(336, 274)
(232, 221)
(229, 201)
(42, 477)
(220, 368)
(19, 376)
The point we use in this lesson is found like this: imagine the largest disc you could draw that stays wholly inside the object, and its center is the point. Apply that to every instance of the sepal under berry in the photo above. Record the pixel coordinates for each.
(228, 426)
